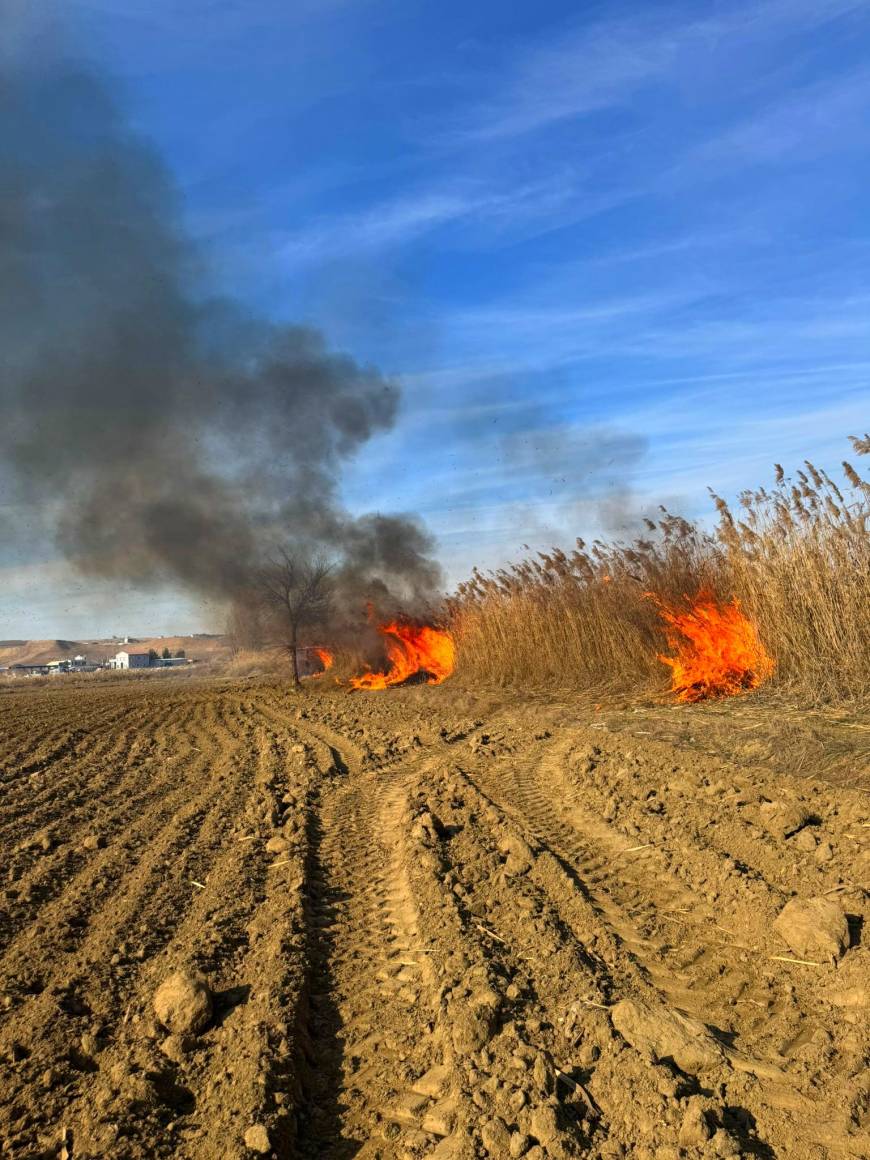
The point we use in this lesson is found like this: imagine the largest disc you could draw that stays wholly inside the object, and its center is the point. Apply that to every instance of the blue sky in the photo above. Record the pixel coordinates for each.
(615, 253)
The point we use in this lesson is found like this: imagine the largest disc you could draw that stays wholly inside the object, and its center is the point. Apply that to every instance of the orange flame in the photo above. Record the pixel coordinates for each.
(717, 650)
(411, 649)
(326, 658)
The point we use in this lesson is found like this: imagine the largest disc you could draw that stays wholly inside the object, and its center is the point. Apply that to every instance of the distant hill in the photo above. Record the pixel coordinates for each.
(36, 652)
(202, 647)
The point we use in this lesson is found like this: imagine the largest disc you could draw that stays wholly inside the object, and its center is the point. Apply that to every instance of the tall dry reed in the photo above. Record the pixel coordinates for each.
(796, 556)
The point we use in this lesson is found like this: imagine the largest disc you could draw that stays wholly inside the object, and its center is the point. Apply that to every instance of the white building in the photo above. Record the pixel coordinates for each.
(130, 660)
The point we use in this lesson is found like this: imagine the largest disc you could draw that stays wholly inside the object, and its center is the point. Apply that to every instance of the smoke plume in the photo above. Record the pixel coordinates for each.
(162, 434)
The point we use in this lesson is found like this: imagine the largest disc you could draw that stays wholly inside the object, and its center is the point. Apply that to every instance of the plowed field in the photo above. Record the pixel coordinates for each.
(432, 924)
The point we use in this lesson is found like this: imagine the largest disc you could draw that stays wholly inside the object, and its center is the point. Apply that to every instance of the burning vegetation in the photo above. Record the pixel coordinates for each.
(790, 569)
(716, 649)
(783, 595)
(414, 652)
(326, 658)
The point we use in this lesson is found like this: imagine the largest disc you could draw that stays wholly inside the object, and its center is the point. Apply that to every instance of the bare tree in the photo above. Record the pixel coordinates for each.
(300, 589)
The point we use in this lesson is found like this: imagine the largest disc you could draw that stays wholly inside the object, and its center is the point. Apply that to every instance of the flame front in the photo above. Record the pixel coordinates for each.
(326, 658)
(411, 649)
(717, 652)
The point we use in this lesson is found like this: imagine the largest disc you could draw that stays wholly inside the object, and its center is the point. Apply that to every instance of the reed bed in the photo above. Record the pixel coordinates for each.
(795, 555)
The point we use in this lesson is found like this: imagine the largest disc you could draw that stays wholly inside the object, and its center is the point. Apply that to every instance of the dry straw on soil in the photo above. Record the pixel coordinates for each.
(796, 556)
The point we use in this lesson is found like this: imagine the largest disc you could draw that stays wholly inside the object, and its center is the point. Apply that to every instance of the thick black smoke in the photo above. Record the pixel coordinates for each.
(163, 435)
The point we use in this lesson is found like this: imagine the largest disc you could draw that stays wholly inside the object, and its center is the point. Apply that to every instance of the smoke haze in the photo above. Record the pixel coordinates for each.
(163, 435)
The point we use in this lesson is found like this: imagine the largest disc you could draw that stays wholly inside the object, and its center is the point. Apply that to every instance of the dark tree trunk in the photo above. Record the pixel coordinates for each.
(294, 653)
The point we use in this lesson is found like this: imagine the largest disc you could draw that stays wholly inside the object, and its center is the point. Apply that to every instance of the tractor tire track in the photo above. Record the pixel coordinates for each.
(421, 929)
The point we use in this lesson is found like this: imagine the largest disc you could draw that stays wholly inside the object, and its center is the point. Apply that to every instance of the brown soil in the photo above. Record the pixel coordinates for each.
(433, 923)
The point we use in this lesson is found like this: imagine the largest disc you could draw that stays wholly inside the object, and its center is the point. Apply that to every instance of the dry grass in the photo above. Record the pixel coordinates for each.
(10, 683)
(797, 557)
(255, 663)
(275, 662)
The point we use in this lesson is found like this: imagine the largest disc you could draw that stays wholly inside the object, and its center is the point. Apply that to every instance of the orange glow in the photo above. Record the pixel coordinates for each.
(411, 649)
(325, 657)
(716, 650)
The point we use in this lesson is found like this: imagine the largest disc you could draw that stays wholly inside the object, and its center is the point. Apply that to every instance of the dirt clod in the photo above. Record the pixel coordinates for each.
(471, 1031)
(519, 1144)
(783, 820)
(495, 1137)
(660, 1034)
(257, 1139)
(695, 1128)
(806, 841)
(175, 1047)
(814, 926)
(542, 1125)
(183, 1003)
(724, 1145)
(519, 854)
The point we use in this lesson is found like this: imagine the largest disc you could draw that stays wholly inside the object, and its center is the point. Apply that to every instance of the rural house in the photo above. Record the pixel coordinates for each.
(130, 660)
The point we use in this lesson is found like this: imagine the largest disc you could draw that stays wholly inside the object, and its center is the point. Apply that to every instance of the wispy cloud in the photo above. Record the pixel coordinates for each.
(692, 316)
(496, 211)
(555, 327)
(697, 242)
(786, 330)
(584, 69)
(389, 224)
(803, 125)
